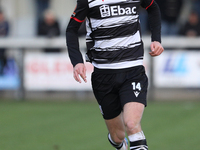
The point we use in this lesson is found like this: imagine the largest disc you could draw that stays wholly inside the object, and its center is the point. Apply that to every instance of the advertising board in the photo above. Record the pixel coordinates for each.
(52, 71)
(177, 69)
(9, 76)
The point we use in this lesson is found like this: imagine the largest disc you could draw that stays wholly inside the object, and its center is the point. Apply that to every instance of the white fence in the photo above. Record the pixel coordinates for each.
(15, 42)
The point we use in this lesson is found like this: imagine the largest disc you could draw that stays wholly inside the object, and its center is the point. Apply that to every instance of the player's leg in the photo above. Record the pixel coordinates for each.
(132, 115)
(109, 103)
(116, 134)
(133, 98)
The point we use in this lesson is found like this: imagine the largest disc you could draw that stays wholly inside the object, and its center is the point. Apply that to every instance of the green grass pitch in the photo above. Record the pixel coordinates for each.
(77, 125)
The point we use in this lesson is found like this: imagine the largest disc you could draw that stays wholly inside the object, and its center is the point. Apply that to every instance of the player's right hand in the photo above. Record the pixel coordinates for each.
(80, 71)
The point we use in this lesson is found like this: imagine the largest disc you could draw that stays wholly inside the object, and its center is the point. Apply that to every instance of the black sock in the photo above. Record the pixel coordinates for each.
(139, 145)
(117, 146)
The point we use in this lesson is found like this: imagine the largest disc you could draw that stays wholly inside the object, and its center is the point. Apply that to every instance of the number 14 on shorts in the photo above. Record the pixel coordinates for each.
(136, 88)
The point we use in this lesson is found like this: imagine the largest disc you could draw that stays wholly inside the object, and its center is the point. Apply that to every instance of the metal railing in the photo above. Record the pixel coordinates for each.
(23, 44)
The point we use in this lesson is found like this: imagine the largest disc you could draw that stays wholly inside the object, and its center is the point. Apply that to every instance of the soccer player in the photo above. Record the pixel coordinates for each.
(116, 51)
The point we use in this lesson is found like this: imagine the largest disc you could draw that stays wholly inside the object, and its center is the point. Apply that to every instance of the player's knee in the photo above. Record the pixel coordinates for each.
(132, 127)
(118, 137)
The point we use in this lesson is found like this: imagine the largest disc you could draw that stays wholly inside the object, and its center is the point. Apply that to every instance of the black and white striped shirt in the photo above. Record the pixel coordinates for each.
(113, 32)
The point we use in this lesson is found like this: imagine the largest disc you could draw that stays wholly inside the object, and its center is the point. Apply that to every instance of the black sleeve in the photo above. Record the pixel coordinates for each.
(154, 17)
(75, 22)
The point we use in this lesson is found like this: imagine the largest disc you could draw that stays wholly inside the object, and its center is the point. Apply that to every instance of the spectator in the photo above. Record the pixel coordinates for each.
(196, 6)
(41, 6)
(4, 29)
(192, 26)
(170, 12)
(49, 27)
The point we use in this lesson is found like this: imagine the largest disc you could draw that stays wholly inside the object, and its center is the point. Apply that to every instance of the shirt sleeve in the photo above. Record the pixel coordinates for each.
(154, 17)
(77, 18)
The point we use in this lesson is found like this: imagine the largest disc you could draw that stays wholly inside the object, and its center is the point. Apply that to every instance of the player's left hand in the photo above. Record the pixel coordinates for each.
(156, 49)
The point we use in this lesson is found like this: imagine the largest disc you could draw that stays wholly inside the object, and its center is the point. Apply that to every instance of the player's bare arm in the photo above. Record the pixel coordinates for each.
(80, 71)
(156, 49)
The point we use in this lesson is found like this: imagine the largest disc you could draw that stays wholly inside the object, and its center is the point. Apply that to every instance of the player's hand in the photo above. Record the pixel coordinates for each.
(156, 49)
(80, 71)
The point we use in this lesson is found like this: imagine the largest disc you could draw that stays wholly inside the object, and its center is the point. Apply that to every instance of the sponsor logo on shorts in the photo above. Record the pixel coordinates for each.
(136, 88)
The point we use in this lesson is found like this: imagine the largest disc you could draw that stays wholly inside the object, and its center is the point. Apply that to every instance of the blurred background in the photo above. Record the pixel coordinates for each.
(39, 95)
(34, 62)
